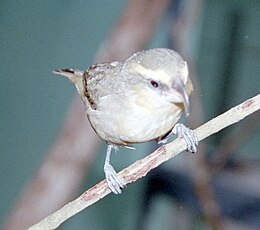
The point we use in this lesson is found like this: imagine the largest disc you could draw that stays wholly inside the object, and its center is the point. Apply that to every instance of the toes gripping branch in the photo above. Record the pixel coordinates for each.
(187, 134)
(113, 181)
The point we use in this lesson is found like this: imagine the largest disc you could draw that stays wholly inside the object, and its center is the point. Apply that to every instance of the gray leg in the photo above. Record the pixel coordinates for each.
(166, 139)
(113, 181)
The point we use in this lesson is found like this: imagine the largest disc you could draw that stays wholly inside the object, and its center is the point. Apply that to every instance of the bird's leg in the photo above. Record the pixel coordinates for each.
(166, 138)
(114, 183)
(189, 136)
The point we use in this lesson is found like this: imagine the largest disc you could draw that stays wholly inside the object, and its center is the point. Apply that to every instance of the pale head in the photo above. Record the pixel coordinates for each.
(163, 73)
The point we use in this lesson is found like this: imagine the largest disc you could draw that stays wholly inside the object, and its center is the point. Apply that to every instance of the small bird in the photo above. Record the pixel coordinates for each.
(134, 101)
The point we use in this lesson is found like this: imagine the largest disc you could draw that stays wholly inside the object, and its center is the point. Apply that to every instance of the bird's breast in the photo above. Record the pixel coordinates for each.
(122, 121)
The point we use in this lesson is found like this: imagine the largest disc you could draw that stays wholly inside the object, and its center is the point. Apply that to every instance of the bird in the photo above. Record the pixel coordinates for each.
(136, 100)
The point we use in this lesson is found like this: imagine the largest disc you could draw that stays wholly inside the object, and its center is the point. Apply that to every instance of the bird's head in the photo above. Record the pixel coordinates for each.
(162, 72)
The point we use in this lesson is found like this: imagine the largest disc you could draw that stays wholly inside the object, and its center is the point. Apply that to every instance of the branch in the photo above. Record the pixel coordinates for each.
(228, 145)
(141, 167)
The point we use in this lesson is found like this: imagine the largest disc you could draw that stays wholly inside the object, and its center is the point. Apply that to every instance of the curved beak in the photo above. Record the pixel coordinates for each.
(185, 97)
(180, 95)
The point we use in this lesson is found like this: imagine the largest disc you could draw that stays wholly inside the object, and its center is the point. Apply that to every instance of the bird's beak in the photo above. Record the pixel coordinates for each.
(180, 95)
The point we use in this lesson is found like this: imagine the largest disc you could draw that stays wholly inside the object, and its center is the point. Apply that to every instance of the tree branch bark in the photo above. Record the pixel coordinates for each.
(141, 167)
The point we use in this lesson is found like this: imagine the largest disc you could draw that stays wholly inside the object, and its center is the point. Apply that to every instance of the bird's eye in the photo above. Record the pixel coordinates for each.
(155, 84)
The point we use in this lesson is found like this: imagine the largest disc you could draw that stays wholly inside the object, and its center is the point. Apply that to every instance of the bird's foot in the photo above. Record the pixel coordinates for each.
(189, 136)
(113, 181)
(182, 131)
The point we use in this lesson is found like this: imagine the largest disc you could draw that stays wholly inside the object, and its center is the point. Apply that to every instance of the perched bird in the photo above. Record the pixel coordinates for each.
(136, 100)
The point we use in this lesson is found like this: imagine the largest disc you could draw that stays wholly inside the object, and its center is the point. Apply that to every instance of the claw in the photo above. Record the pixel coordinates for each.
(189, 136)
(113, 181)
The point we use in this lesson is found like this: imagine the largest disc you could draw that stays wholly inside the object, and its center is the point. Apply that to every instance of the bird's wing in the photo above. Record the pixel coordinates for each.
(101, 80)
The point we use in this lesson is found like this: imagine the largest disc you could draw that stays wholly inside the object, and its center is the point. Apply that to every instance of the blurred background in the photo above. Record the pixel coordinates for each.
(48, 153)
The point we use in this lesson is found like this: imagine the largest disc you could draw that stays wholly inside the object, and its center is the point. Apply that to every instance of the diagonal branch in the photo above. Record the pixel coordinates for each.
(141, 167)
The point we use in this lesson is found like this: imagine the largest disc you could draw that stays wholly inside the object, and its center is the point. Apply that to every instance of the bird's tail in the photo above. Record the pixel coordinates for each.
(75, 76)
(71, 74)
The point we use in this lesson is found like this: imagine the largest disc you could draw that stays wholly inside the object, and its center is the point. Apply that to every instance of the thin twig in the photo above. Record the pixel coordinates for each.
(141, 167)
(228, 144)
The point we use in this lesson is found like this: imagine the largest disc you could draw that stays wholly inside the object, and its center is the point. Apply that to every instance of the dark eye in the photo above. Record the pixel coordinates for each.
(155, 84)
